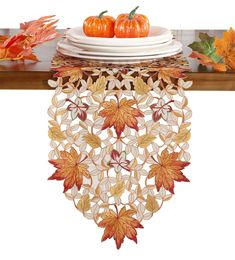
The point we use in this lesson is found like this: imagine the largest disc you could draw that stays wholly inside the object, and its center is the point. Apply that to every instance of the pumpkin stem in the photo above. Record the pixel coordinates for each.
(132, 13)
(102, 13)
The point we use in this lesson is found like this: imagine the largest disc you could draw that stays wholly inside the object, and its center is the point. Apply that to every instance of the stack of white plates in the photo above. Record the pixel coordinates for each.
(157, 45)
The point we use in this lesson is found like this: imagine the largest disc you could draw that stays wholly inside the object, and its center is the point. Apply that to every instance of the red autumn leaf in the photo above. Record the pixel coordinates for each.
(207, 61)
(70, 169)
(119, 114)
(119, 161)
(167, 170)
(161, 110)
(78, 109)
(119, 225)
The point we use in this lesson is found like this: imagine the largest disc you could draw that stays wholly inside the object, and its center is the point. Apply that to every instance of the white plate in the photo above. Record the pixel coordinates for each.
(156, 35)
(173, 46)
(117, 60)
(88, 47)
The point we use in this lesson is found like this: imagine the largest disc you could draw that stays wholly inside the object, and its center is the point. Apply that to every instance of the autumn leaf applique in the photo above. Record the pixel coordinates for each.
(78, 109)
(119, 114)
(119, 225)
(70, 168)
(119, 161)
(73, 72)
(166, 74)
(167, 170)
(161, 109)
(225, 47)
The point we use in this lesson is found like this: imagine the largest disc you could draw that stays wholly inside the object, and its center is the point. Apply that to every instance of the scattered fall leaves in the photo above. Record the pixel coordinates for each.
(215, 52)
(20, 46)
(119, 114)
(119, 225)
(167, 170)
(70, 169)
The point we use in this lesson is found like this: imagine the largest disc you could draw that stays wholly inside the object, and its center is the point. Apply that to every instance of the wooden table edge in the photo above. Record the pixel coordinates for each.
(38, 80)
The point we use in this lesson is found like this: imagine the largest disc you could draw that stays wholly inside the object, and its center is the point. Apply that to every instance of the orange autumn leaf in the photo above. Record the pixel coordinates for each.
(207, 61)
(20, 46)
(74, 72)
(167, 170)
(119, 114)
(70, 169)
(119, 225)
(167, 73)
(225, 47)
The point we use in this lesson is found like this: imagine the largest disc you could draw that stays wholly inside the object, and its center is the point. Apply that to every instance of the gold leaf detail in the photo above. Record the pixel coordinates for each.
(140, 86)
(118, 189)
(56, 134)
(84, 203)
(99, 86)
(93, 140)
(152, 204)
(183, 135)
(145, 140)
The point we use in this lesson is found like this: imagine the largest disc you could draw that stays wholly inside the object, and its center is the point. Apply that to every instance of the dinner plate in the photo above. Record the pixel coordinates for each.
(156, 35)
(171, 47)
(117, 60)
(96, 48)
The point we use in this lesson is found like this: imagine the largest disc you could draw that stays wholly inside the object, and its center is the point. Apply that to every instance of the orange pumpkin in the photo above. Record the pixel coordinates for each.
(131, 25)
(99, 26)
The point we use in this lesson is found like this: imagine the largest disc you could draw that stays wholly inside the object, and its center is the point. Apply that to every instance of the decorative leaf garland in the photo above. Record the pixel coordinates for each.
(214, 52)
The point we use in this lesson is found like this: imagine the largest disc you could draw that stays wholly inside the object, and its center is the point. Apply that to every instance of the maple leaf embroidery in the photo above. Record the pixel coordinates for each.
(167, 170)
(78, 109)
(161, 110)
(118, 161)
(70, 169)
(119, 225)
(119, 114)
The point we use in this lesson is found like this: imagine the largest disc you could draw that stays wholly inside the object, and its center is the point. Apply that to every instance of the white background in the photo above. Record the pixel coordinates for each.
(37, 222)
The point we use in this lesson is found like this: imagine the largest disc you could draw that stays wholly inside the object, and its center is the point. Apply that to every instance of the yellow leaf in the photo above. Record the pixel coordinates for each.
(183, 135)
(140, 86)
(56, 134)
(152, 204)
(84, 203)
(93, 140)
(145, 140)
(99, 86)
(118, 189)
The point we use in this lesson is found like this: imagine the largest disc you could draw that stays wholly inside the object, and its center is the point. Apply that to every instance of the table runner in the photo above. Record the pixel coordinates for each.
(119, 138)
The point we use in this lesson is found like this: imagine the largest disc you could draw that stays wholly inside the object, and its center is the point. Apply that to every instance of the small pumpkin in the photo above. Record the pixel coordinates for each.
(99, 26)
(132, 25)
